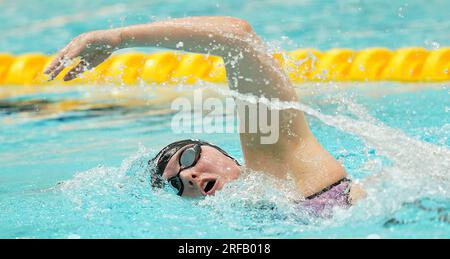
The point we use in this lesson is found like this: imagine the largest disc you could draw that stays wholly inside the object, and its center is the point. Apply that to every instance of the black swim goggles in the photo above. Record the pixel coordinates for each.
(188, 159)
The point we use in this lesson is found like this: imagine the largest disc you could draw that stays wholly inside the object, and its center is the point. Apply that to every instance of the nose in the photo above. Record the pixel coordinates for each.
(190, 178)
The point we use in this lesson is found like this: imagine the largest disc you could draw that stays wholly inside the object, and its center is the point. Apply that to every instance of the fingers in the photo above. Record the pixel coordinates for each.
(55, 66)
(62, 60)
(75, 71)
(79, 47)
(61, 65)
(83, 66)
(56, 62)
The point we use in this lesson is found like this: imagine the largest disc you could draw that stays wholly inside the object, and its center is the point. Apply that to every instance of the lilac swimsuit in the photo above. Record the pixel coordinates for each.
(322, 203)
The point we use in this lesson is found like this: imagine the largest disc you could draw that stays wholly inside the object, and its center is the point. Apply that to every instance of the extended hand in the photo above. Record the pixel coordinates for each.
(92, 48)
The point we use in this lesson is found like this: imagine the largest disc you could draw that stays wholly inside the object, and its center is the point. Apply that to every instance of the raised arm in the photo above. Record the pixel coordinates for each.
(250, 69)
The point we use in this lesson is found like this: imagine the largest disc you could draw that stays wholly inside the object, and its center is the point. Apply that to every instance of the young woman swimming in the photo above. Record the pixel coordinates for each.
(197, 168)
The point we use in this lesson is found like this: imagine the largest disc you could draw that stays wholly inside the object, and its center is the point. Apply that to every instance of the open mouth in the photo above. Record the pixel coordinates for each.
(208, 187)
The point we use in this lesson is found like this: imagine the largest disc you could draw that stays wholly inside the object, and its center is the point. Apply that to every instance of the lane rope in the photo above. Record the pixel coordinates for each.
(411, 64)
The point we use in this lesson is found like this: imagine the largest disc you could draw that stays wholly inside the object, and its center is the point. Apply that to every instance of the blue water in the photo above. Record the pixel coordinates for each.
(81, 172)
(321, 24)
(100, 157)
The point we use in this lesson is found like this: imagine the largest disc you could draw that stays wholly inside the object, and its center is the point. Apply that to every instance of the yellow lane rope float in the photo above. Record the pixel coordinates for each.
(303, 65)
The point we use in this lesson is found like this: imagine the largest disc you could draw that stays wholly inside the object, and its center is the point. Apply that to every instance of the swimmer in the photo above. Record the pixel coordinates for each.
(198, 168)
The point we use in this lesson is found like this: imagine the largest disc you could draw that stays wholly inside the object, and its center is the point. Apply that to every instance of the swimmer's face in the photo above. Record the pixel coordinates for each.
(211, 172)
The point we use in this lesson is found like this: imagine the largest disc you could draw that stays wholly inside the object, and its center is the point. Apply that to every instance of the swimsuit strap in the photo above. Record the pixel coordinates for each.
(328, 188)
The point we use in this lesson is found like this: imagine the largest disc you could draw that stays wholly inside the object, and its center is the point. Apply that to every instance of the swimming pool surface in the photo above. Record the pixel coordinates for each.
(73, 159)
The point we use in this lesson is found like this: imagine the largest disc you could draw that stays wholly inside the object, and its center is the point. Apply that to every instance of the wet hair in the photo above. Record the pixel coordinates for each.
(159, 163)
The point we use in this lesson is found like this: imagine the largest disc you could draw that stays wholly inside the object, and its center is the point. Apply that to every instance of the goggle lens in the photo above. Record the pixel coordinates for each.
(189, 157)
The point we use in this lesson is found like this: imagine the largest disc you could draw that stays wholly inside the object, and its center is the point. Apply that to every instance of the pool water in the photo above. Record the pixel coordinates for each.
(290, 24)
(74, 159)
(82, 173)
